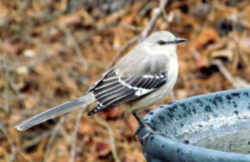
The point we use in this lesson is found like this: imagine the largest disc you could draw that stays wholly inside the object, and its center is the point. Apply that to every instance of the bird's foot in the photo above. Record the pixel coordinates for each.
(143, 124)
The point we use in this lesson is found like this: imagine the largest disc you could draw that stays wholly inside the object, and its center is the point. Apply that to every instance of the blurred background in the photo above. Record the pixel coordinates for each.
(52, 50)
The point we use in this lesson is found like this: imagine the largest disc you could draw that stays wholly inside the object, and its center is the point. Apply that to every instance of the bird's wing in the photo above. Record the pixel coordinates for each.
(114, 89)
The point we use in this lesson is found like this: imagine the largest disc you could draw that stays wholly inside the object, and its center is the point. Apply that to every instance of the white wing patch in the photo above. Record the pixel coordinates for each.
(138, 91)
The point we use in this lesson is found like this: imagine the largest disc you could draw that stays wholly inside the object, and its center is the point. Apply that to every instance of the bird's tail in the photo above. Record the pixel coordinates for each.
(53, 112)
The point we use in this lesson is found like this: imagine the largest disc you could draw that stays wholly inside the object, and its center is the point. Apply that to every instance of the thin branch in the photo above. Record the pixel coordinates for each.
(36, 140)
(76, 47)
(53, 137)
(237, 83)
(123, 49)
(7, 78)
(112, 137)
(225, 72)
(10, 141)
(156, 15)
(74, 135)
(144, 33)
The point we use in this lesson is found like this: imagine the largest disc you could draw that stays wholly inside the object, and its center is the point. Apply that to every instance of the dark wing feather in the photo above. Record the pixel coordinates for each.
(113, 89)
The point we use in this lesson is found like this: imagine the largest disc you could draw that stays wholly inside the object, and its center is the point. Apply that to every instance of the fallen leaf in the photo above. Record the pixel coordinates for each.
(102, 149)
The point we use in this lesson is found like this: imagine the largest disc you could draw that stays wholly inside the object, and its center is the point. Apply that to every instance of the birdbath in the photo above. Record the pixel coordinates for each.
(207, 128)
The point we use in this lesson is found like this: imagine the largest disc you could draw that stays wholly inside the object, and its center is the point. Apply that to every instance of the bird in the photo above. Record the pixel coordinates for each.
(140, 79)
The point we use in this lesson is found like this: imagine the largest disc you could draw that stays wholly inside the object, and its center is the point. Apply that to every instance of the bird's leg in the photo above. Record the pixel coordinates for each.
(141, 122)
(138, 118)
(150, 130)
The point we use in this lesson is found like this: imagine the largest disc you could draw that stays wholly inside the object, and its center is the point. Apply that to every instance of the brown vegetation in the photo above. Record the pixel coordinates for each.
(51, 51)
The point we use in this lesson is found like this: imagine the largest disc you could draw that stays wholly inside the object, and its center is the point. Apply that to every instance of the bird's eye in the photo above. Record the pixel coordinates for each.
(161, 42)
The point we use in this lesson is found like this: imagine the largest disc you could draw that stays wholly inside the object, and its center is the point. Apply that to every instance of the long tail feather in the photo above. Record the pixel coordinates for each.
(53, 112)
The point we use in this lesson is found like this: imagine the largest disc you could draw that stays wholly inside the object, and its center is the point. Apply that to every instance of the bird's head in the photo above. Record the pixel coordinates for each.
(162, 41)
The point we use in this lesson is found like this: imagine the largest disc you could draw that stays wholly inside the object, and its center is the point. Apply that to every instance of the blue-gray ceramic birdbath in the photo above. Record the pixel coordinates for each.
(207, 128)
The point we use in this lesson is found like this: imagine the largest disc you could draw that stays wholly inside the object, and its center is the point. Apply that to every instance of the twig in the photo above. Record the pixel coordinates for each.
(12, 146)
(239, 57)
(35, 140)
(112, 138)
(74, 135)
(145, 32)
(157, 13)
(123, 49)
(76, 47)
(131, 27)
(236, 83)
(6, 71)
(225, 72)
(53, 137)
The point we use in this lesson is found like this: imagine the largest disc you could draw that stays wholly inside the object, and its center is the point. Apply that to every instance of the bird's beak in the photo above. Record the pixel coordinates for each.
(180, 40)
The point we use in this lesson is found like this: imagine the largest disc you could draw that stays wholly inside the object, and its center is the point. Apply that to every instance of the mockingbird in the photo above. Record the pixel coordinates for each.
(141, 78)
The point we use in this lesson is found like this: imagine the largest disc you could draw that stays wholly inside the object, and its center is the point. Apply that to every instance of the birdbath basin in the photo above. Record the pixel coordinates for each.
(207, 128)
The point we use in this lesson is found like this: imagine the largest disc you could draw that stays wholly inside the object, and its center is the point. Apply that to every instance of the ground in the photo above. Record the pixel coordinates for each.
(51, 51)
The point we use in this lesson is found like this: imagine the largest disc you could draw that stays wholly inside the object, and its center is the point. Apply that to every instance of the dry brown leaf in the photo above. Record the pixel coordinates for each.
(29, 102)
(112, 113)
(102, 149)
(206, 37)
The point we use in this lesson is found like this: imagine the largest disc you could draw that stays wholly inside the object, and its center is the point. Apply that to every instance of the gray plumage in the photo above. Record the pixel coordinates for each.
(120, 89)
(141, 78)
(56, 111)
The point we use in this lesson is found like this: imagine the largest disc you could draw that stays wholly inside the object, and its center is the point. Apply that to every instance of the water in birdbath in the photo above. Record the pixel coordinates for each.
(237, 141)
